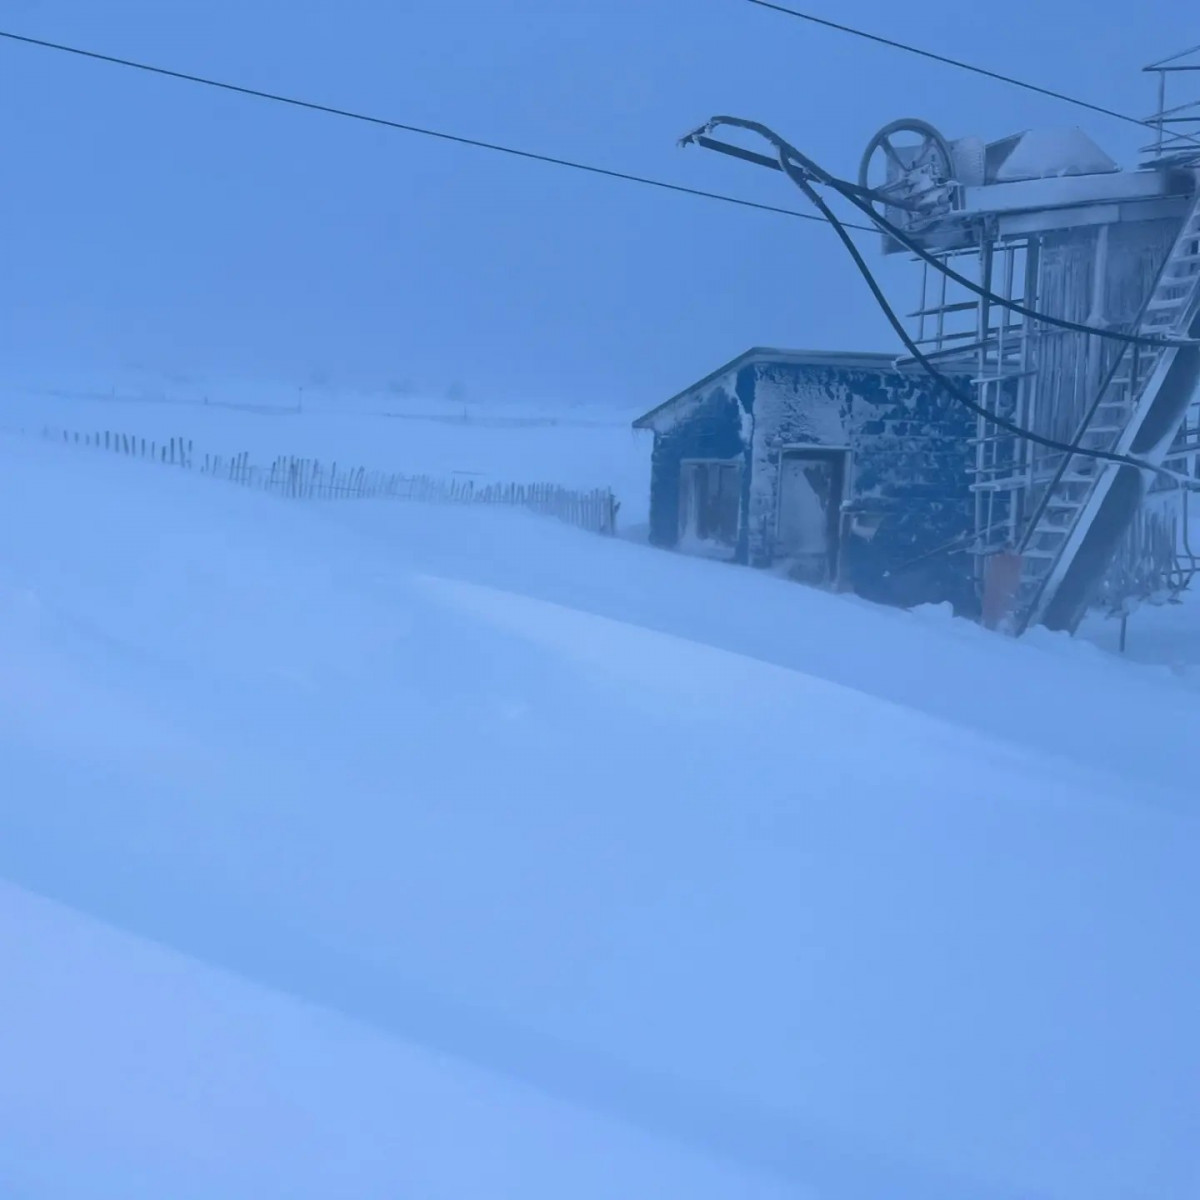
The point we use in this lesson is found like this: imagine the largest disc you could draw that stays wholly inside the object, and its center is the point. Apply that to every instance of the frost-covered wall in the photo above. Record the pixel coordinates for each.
(1070, 367)
(711, 422)
(909, 483)
(1154, 560)
(1102, 276)
(908, 475)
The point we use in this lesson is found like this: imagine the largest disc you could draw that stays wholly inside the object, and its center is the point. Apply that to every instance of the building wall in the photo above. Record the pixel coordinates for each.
(713, 423)
(910, 455)
(1070, 367)
(908, 472)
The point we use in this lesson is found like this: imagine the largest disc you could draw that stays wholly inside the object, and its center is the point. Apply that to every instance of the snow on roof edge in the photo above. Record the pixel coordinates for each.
(862, 359)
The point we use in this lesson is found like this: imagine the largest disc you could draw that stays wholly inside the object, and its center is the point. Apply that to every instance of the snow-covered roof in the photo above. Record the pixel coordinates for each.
(1047, 154)
(848, 359)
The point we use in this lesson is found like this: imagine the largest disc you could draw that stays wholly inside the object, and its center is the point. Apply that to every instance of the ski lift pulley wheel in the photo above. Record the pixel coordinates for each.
(908, 162)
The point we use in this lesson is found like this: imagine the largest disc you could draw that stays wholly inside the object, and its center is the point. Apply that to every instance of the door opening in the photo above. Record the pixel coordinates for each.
(812, 484)
(710, 503)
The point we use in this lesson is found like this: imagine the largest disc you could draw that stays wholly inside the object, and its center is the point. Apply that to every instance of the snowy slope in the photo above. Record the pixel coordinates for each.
(725, 859)
(571, 446)
(132, 1072)
(1059, 696)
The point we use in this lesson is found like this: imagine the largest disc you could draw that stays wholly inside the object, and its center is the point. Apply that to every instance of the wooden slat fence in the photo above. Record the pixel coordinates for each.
(309, 479)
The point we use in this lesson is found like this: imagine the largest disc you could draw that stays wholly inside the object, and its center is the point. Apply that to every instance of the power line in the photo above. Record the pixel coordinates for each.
(803, 172)
(403, 127)
(951, 62)
(863, 202)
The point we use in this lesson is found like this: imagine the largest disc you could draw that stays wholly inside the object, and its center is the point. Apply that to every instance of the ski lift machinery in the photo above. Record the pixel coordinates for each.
(1067, 291)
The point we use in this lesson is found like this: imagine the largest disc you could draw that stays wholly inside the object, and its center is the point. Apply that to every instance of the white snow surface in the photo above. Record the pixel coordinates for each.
(393, 849)
(570, 445)
(1052, 153)
(175, 1079)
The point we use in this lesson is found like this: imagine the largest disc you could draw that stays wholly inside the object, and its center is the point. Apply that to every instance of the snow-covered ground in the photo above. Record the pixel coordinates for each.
(570, 445)
(486, 856)
(132, 1071)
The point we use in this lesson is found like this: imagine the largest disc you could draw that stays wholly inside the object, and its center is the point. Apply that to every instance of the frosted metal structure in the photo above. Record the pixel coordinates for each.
(1046, 221)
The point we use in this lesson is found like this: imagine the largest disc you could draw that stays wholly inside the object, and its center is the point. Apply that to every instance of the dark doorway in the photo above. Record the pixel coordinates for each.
(812, 484)
(710, 503)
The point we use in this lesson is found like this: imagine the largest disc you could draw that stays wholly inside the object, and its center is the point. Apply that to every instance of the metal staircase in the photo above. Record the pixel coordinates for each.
(1079, 512)
(1045, 268)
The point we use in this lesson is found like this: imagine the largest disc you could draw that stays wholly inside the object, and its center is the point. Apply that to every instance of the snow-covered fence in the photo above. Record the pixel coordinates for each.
(175, 452)
(308, 479)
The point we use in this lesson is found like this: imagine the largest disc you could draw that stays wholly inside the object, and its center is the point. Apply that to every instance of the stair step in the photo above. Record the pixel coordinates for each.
(1049, 479)
(1059, 520)
(1009, 483)
(1162, 303)
(1005, 436)
(1050, 556)
(1082, 465)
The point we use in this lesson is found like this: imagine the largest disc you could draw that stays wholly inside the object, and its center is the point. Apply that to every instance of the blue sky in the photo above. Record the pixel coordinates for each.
(155, 224)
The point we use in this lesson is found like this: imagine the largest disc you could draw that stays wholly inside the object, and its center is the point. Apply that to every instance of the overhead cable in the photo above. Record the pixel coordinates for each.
(959, 64)
(854, 195)
(402, 126)
(801, 171)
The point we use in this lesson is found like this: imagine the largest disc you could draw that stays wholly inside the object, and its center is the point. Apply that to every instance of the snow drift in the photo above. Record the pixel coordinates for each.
(857, 944)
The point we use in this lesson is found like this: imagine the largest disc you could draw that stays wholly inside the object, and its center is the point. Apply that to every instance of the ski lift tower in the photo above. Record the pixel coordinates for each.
(1045, 221)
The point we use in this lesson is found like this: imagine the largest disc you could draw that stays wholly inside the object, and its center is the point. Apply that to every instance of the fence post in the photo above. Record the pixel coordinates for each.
(303, 478)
